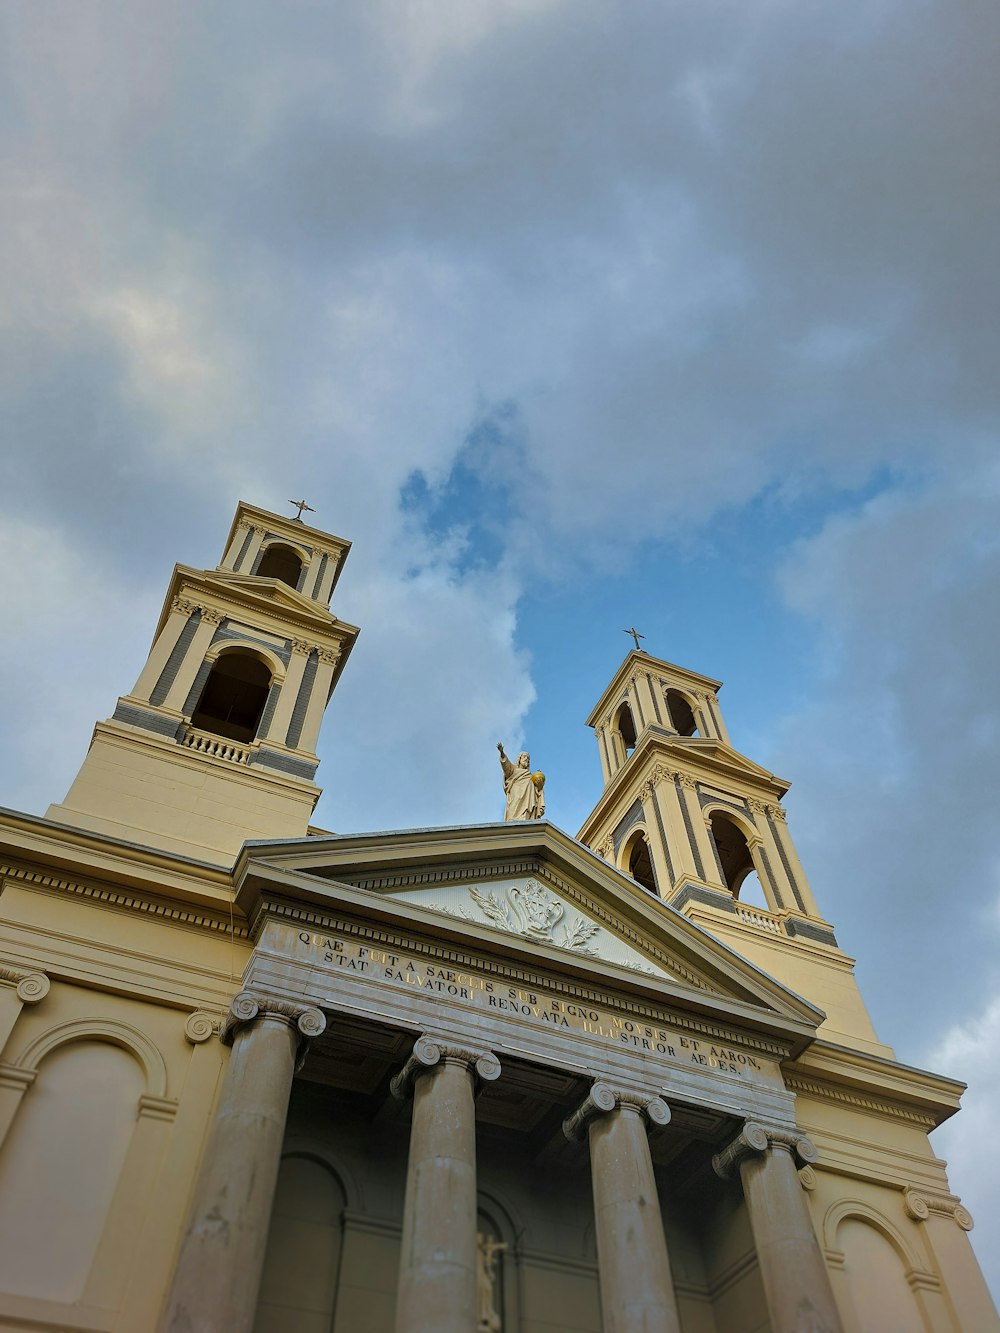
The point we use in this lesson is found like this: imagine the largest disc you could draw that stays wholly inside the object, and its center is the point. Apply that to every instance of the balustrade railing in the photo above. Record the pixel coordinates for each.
(755, 916)
(216, 747)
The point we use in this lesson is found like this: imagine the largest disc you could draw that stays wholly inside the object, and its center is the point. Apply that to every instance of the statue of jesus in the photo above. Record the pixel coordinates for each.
(525, 790)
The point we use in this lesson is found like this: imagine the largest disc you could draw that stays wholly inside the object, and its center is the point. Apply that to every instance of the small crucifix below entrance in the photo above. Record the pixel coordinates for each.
(635, 635)
(301, 504)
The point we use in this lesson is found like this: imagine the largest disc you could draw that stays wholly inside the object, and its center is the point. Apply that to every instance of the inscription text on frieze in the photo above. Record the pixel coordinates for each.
(518, 1004)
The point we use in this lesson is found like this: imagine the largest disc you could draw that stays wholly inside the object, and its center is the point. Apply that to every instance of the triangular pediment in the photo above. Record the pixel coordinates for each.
(524, 890)
(717, 754)
(273, 591)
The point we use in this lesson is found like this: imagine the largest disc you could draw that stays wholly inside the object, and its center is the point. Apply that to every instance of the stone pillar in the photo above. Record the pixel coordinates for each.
(796, 1282)
(282, 715)
(438, 1263)
(160, 652)
(637, 1291)
(218, 1271)
(177, 695)
(318, 699)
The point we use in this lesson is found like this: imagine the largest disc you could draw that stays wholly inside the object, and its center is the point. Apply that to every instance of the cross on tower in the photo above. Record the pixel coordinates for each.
(635, 635)
(301, 504)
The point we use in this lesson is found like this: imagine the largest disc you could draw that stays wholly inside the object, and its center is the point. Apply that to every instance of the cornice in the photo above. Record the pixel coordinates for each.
(831, 1092)
(874, 1083)
(638, 660)
(125, 900)
(694, 759)
(243, 594)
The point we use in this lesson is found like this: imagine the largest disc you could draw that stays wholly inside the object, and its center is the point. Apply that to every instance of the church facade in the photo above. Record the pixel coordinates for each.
(255, 1077)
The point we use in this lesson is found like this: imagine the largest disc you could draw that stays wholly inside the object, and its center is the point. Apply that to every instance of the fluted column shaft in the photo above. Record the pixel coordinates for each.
(437, 1270)
(219, 1269)
(637, 1290)
(793, 1272)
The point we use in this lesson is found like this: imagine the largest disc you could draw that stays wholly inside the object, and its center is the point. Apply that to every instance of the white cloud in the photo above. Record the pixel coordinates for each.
(971, 1051)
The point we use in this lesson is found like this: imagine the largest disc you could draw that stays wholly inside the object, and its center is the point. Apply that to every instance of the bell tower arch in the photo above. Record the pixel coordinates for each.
(697, 824)
(216, 742)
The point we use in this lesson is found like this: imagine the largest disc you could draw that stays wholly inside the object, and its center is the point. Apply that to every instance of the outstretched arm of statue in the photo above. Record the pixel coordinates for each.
(505, 763)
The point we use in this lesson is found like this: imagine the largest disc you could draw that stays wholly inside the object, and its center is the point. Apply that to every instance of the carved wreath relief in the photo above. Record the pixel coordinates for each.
(531, 910)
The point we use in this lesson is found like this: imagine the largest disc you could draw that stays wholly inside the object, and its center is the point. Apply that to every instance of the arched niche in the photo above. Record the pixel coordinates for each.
(233, 698)
(301, 1273)
(682, 717)
(279, 561)
(877, 1265)
(637, 860)
(63, 1157)
(497, 1262)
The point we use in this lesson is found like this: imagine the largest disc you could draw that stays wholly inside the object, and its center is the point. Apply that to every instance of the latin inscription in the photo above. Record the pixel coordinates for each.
(518, 1005)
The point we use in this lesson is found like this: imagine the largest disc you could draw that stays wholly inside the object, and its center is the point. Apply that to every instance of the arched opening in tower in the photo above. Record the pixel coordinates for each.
(732, 849)
(639, 862)
(280, 562)
(232, 702)
(681, 714)
(625, 726)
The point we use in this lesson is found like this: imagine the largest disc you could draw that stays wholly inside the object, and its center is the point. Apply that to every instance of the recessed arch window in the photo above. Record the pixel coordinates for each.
(682, 717)
(638, 862)
(281, 562)
(733, 850)
(232, 702)
(625, 726)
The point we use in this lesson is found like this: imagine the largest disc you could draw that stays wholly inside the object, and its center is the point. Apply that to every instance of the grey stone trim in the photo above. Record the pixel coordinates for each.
(638, 709)
(604, 746)
(139, 717)
(662, 731)
(320, 575)
(225, 634)
(194, 694)
(785, 862)
(734, 803)
(770, 877)
(634, 815)
(698, 893)
(284, 763)
(770, 873)
(715, 853)
(269, 707)
(690, 831)
(713, 712)
(243, 550)
(808, 931)
(663, 836)
(177, 654)
(298, 717)
(656, 703)
(302, 578)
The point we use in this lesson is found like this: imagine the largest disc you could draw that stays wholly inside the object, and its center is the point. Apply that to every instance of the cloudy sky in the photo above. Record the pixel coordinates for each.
(571, 316)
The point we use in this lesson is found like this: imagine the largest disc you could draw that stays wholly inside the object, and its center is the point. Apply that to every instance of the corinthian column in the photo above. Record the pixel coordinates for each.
(437, 1269)
(219, 1268)
(796, 1282)
(637, 1291)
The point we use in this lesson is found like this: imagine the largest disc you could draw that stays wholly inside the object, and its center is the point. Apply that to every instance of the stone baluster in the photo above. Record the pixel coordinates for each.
(637, 1291)
(218, 1271)
(438, 1264)
(796, 1282)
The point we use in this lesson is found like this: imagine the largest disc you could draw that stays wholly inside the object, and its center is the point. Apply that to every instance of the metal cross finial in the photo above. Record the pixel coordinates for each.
(635, 635)
(301, 505)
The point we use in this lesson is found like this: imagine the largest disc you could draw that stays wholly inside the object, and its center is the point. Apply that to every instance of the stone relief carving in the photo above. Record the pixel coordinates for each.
(487, 1317)
(533, 911)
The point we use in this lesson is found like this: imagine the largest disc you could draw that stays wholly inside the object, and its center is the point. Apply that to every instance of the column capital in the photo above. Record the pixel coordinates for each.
(919, 1205)
(604, 1098)
(755, 1138)
(250, 1005)
(31, 986)
(429, 1051)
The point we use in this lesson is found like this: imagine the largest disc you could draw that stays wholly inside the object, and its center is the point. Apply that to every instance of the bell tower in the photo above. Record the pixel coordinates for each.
(693, 821)
(216, 742)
